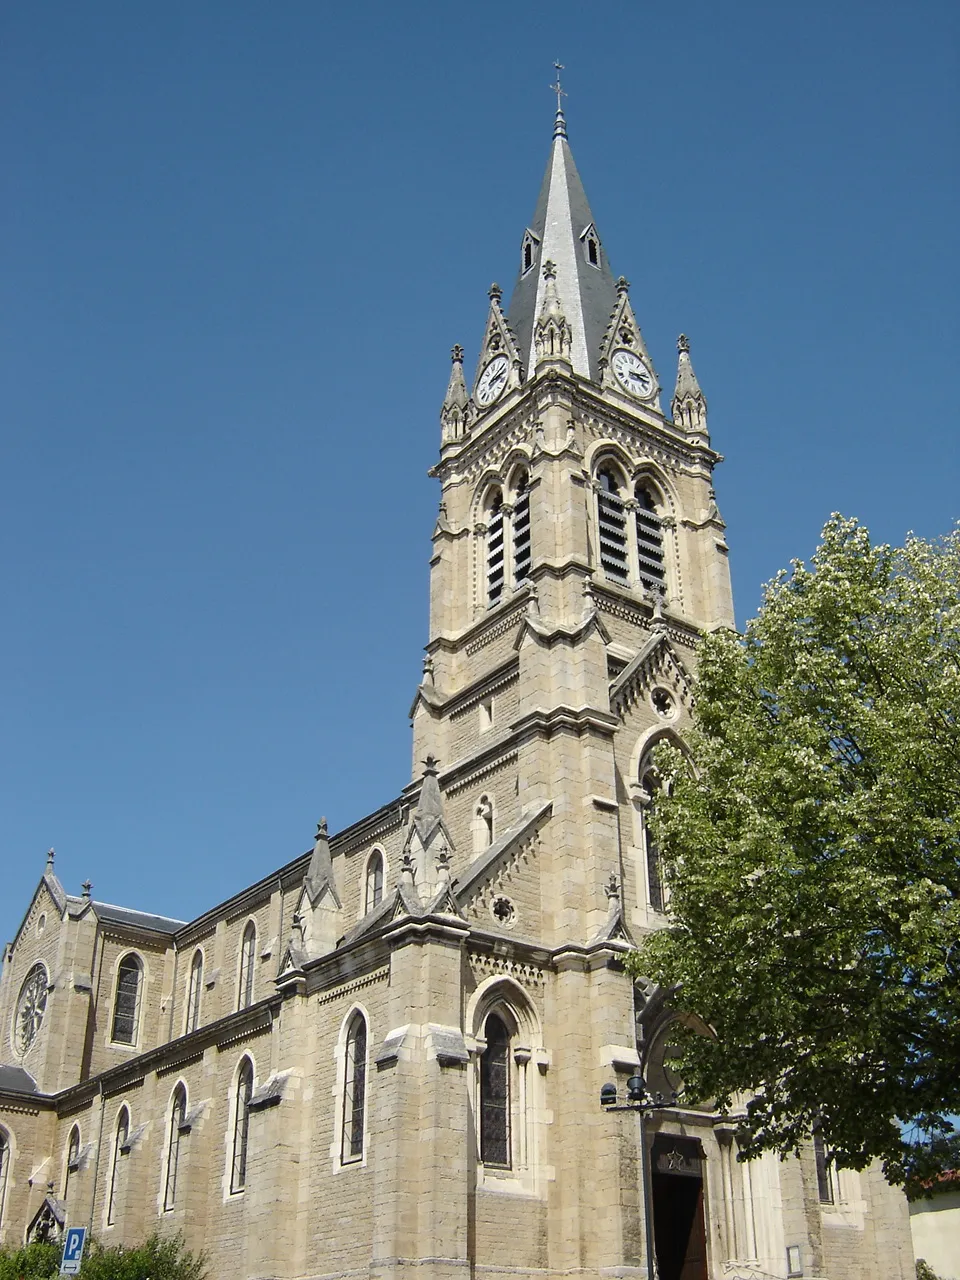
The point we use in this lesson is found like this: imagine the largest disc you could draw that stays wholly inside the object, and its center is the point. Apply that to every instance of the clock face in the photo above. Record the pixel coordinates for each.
(492, 380)
(633, 374)
(30, 1008)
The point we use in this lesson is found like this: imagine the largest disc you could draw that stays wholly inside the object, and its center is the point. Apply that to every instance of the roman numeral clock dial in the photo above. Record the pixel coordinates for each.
(633, 375)
(492, 381)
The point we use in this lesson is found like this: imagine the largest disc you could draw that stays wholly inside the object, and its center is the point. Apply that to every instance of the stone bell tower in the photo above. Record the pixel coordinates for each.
(577, 522)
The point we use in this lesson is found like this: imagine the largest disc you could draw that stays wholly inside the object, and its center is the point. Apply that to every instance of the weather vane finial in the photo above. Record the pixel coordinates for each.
(560, 125)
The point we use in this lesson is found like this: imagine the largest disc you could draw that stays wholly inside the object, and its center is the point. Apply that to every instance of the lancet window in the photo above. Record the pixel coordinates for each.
(194, 989)
(126, 1003)
(509, 544)
(825, 1188)
(73, 1160)
(650, 783)
(496, 562)
(495, 1094)
(649, 540)
(373, 881)
(178, 1120)
(241, 1126)
(354, 1090)
(612, 525)
(4, 1169)
(248, 949)
(119, 1152)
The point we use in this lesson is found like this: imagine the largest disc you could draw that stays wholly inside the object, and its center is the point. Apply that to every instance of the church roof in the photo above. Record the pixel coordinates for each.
(110, 914)
(559, 233)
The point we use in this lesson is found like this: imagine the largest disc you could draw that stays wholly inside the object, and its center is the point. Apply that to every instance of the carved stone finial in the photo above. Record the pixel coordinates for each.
(297, 926)
(322, 829)
(431, 765)
(456, 354)
(50, 857)
(495, 293)
(533, 601)
(87, 886)
(406, 868)
(549, 270)
(683, 344)
(443, 865)
(612, 887)
(623, 286)
(427, 670)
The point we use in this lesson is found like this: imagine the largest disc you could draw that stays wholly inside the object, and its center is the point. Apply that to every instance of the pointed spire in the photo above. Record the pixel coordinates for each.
(563, 232)
(453, 414)
(429, 812)
(551, 337)
(689, 405)
(320, 871)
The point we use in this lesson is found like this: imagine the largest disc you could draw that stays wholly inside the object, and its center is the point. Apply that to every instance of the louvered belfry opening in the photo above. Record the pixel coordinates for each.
(521, 531)
(649, 541)
(612, 521)
(495, 548)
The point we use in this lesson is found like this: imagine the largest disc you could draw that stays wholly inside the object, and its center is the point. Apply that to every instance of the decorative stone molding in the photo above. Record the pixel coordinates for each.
(358, 984)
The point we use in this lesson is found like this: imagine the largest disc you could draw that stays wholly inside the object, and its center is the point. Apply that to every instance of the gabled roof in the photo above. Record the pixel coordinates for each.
(641, 667)
(16, 1080)
(587, 292)
(109, 914)
(464, 885)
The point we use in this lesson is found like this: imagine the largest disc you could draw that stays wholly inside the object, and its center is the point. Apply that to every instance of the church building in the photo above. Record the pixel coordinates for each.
(384, 1059)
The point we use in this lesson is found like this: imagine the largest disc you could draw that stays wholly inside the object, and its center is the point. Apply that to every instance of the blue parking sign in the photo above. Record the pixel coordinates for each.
(73, 1251)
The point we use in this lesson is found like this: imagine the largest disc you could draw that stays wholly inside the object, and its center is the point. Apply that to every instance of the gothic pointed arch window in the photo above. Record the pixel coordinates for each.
(650, 784)
(73, 1160)
(496, 549)
(373, 881)
(248, 950)
(650, 537)
(243, 1092)
(495, 1094)
(824, 1165)
(120, 1151)
(4, 1169)
(612, 523)
(354, 1090)
(194, 989)
(521, 527)
(126, 1001)
(176, 1131)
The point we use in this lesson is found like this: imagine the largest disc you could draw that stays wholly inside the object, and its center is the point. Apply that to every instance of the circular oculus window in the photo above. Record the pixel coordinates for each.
(504, 912)
(663, 704)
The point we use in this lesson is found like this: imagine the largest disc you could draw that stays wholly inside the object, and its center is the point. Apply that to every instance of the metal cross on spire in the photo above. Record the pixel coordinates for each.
(560, 125)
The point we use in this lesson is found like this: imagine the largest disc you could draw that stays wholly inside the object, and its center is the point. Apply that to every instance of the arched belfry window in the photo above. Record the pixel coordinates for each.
(521, 528)
(649, 539)
(126, 1004)
(193, 991)
(241, 1126)
(178, 1120)
(120, 1150)
(373, 886)
(248, 949)
(73, 1161)
(4, 1169)
(354, 1090)
(495, 1094)
(496, 565)
(612, 524)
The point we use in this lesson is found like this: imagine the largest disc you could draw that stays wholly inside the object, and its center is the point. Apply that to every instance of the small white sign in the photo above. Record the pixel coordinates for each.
(73, 1251)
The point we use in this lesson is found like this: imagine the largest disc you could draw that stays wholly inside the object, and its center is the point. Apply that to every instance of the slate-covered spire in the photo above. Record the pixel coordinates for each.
(563, 232)
(689, 405)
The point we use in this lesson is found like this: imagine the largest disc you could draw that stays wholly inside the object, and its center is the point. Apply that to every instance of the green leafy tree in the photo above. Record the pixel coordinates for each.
(811, 845)
(157, 1259)
(32, 1262)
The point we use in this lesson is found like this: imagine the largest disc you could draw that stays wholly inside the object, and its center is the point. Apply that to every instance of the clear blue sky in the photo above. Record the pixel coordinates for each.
(239, 241)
